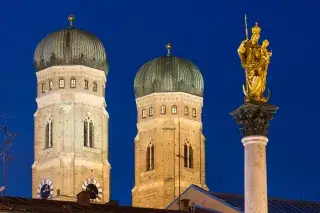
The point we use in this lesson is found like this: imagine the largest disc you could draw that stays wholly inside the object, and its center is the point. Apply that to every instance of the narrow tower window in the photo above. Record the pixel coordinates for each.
(86, 84)
(50, 85)
(49, 133)
(174, 109)
(188, 155)
(73, 83)
(163, 109)
(186, 110)
(91, 134)
(95, 87)
(194, 112)
(61, 83)
(150, 157)
(144, 113)
(85, 132)
(151, 111)
(88, 132)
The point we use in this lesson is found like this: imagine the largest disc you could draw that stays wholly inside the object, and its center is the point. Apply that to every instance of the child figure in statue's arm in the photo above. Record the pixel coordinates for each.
(264, 51)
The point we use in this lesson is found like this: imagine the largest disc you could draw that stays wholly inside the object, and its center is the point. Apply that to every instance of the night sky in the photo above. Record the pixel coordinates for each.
(206, 32)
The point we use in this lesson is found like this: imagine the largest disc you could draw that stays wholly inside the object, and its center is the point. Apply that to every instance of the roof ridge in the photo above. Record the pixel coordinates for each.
(269, 198)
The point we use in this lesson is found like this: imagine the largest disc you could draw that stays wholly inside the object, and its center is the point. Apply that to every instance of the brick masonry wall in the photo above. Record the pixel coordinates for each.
(169, 132)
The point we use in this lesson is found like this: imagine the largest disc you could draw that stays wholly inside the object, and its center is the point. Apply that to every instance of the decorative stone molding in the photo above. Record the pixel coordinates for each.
(254, 139)
(70, 70)
(253, 118)
(90, 149)
(66, 105)
(79, 97)
(170, 97)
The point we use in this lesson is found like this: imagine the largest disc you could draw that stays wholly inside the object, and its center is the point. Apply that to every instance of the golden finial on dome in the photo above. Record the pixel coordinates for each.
(256, 29)
(168, 46)
(71, 19)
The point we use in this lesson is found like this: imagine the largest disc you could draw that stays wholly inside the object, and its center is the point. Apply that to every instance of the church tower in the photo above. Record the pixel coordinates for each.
(71, 121)
(169, 146)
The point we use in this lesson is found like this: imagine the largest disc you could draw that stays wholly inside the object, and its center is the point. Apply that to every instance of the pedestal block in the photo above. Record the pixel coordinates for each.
(254, 121)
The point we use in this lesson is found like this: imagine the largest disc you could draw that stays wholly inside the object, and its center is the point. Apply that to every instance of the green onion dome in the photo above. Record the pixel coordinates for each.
(168, 74)
(70, 46)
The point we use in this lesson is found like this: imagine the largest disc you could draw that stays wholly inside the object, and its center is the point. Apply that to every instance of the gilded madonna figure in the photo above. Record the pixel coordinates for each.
(255, 60)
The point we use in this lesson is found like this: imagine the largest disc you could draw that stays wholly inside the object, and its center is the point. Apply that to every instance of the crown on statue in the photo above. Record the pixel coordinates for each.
(256, 29)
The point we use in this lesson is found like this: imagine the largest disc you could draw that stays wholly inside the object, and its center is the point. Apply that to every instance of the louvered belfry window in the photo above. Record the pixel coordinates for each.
(73, 83)
(174, 109)
(151, 112)
(163, 109)
(186, 110)
(61, 83)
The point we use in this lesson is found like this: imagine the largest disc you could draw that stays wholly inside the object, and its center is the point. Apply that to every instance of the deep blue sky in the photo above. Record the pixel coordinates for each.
(208, 33)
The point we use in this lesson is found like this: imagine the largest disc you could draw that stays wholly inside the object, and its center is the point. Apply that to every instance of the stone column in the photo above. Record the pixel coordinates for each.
(254, 121)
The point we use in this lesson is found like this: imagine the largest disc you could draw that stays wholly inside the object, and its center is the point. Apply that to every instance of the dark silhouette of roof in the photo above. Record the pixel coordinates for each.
(15, 204)
(274, 205)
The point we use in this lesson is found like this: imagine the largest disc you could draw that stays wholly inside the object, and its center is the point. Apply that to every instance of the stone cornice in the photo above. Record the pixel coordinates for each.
(78, 97)
(172, 96)
(69, 71)
(161, 123)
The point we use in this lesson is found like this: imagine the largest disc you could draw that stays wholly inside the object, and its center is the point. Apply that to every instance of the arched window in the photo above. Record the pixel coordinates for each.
(61, 83)
(73, 83)
(188, 155)
(88, 131)
(48, 133)
(163, 109)
(194, 112)
(95, 87)
(150, 157)
(186, 110)
(151, 111)
(174, 109)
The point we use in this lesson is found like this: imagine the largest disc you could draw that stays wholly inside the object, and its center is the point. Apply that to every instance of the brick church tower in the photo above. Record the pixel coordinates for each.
(71, 121)
(169, 146)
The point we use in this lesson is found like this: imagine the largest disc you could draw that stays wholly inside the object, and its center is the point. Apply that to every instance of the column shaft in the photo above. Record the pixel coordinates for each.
(256, 200)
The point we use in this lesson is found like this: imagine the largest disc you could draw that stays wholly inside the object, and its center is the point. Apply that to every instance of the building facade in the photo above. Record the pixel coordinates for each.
(71, 121)
(169, 145)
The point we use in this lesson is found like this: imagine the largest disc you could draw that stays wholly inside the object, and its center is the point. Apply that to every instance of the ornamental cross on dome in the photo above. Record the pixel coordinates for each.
(71, 19)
